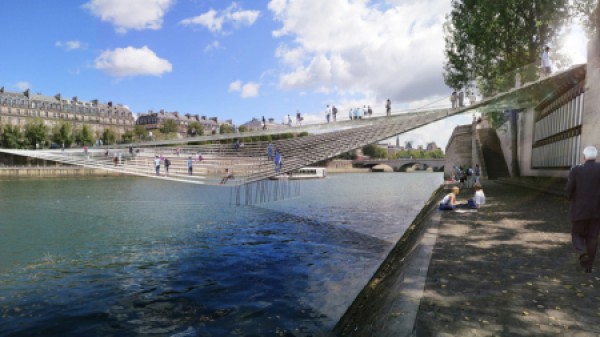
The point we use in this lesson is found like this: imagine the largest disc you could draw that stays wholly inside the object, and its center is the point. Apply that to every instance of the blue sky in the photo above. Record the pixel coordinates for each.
(235, 60)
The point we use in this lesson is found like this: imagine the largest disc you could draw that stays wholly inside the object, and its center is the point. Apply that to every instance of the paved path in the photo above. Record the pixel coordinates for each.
(508, 270)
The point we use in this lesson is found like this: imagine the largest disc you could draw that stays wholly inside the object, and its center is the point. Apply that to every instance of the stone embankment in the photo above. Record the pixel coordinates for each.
(54, 172)
(506, 270)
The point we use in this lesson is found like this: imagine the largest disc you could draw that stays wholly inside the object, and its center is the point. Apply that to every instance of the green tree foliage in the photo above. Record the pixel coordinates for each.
(128, 136)
(169, 126)
(225, 128)
(140, 132)
(243, 128)
(36, 132)
(419, 154)
(63, 133)
(108, 136)
(490, 41)
(588, 12)
(374, 151)
(84, 136)
(195, 129)
(11, 137)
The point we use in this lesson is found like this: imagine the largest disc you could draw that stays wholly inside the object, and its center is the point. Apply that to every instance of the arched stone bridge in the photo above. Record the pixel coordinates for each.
(402, 164)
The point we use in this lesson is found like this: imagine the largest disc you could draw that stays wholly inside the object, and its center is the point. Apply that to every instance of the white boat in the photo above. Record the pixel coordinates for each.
(304, 173)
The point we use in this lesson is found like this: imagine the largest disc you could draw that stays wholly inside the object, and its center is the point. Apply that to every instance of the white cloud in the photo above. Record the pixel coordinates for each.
(347, 46)
(214, 20)
(69, 45)
(246, 90)
(130, 14)
(235, 86)
(250, 90)
(212, 46)
(130, 61)
(23, 85)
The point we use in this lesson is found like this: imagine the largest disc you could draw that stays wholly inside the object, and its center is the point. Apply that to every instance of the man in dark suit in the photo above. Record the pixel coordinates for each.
(583, 190)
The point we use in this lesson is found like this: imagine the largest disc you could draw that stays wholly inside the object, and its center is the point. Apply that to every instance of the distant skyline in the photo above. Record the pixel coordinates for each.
(236, 59)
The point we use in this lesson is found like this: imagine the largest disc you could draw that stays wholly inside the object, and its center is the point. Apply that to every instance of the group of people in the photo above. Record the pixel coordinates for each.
(458, 98)
(449, 201)
(467, 177)
(158, 159)
(582, 191)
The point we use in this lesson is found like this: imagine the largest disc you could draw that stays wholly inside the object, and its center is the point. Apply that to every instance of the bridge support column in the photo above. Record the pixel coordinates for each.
(591, 108)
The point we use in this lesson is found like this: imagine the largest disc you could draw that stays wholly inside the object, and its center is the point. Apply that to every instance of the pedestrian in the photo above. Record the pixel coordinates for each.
(365, 111)
(370, 111)
(63, 147)
(264, 123)
(472, 97)
(546, 64)
(228, 175)
(388, 107)
(277, 161)
(167, 164)
(350, 113)
(470, 177)
(157, 164)
(190, 164)
(461, 98)
(328, 113)
(477, 174)
(334, 111)
(453, 99)
(298, 118)
(270, 152)
(289, 120)
(461, 177)
(583, 192)
(199, 156)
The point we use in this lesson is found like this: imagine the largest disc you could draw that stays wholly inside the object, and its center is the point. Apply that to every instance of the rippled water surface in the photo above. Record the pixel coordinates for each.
(139, 257)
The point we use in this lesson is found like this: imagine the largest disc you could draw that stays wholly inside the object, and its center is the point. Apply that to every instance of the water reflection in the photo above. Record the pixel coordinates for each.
(130, 257)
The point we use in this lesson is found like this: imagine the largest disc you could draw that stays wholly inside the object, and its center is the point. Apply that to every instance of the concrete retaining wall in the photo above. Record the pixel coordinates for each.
(54, 172)
(459, 151)
(359, 318)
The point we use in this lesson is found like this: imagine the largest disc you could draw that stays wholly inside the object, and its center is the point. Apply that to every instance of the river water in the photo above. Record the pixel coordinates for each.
(141, 257)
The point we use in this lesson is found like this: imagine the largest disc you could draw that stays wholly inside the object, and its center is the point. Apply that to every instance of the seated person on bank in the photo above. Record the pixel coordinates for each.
(228, 175)
(478, 199)
(449, 201)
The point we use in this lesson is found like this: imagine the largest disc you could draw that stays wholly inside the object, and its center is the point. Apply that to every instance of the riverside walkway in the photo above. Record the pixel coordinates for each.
(507, 270)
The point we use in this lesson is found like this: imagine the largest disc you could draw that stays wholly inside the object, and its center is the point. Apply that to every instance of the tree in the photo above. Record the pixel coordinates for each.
(36, 132)
(225, 128)
(243, 128)
(374, 151)
(63, 134)
(140, 132)
(490, 41)
(84, 136)
(108, 136)
(169, 126)
(127, 136)
(195, 129)
(11, 137)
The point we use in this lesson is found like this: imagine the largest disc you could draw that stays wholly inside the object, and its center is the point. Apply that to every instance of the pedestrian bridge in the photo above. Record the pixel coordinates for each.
(249, 163)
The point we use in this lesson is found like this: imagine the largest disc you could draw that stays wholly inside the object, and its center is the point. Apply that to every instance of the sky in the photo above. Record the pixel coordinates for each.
(236, 59)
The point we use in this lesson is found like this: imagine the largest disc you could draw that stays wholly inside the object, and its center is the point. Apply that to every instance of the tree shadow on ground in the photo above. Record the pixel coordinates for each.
(508, 270)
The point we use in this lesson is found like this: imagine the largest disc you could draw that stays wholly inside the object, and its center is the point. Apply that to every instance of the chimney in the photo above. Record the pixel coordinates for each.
(203, 118)
(75, 99)
(58, 96)
(26, 93)
(110, 104)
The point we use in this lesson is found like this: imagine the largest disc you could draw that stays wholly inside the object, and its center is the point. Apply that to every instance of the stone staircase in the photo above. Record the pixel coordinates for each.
(495, 163)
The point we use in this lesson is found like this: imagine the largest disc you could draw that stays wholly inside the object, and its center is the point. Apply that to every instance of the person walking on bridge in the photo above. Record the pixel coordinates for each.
(584, 194)
(388, 107)
(453, 99)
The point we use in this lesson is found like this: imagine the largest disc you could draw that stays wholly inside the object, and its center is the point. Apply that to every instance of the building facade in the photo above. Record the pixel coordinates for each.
(17, 108)
(155, 120)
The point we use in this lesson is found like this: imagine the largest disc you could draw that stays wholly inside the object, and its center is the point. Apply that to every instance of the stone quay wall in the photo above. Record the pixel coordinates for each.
(54, 172)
